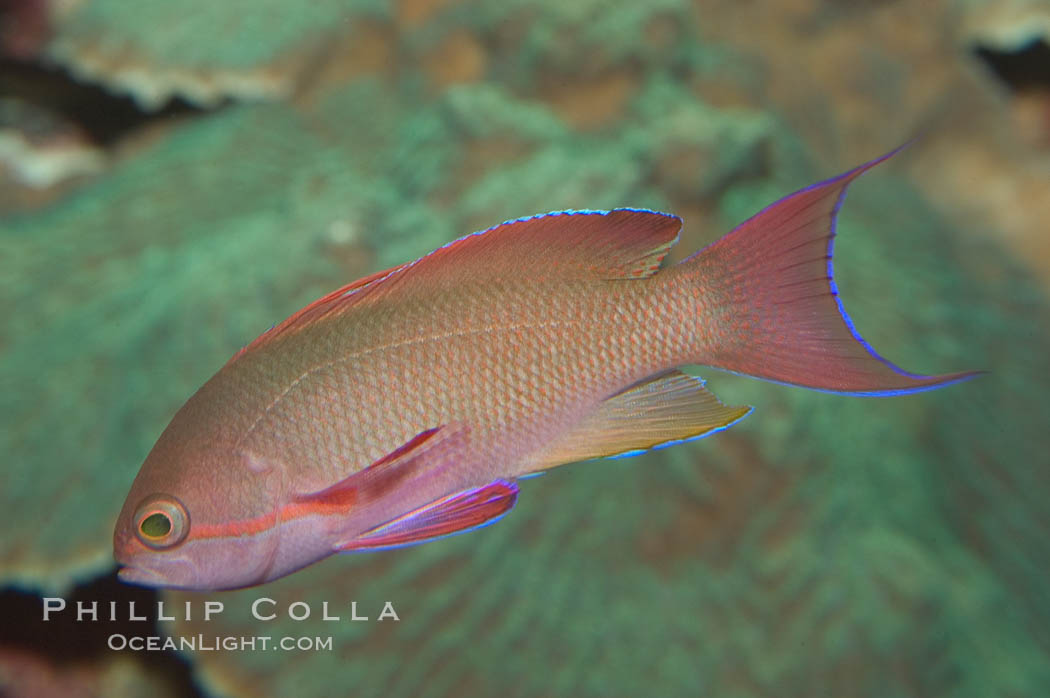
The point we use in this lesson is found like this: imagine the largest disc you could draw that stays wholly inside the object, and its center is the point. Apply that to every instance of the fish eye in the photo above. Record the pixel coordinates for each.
(161, 522)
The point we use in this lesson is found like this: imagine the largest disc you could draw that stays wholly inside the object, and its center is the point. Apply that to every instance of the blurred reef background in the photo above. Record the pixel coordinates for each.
(176, 177)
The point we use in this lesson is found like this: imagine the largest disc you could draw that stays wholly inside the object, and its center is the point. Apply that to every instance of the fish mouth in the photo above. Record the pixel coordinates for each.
(140, 576)
(171, 574)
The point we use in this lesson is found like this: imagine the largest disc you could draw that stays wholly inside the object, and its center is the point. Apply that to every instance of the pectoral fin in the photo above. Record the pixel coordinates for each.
(456, 513)
(663, 410)
(382, 476)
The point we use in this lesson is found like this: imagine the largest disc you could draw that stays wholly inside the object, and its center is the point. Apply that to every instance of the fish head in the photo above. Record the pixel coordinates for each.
(200, 515)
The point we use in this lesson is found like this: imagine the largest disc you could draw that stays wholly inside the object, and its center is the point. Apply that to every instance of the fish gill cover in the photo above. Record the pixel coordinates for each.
(828, 545)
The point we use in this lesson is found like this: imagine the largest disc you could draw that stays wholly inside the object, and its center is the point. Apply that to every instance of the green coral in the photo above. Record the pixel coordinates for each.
(578, 38)
(207, 36)
(205, 51)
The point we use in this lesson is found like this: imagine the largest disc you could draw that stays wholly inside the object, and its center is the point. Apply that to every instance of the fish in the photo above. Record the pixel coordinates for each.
(408, 405)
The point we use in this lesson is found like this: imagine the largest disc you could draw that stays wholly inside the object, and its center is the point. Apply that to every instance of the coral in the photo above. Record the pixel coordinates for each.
(1008, 25)
(40, 154)
(206, 52)
(202, 51)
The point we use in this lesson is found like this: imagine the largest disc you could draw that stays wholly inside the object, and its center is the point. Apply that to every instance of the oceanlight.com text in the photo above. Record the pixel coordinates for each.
(226, 643)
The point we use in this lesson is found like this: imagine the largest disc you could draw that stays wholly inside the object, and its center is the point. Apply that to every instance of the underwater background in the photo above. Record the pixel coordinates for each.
(176, 177)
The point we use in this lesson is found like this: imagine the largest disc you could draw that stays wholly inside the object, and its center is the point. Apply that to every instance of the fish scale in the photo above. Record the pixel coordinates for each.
(606, 357)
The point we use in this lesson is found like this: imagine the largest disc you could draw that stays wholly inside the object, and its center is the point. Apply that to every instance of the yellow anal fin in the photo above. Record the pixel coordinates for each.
(661, 411)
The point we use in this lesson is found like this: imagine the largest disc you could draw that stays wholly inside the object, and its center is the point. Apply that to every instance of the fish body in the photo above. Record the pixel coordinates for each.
(404, 406)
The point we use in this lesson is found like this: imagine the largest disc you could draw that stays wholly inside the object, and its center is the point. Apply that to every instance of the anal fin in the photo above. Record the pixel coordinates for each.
(456, 513)
(660, 411)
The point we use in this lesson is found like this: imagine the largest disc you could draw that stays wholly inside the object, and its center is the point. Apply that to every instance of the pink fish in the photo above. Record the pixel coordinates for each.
(404, 406)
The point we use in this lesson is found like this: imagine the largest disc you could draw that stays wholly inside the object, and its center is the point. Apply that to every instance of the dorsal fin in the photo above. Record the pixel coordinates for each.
(623, 243)
(316, 310)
